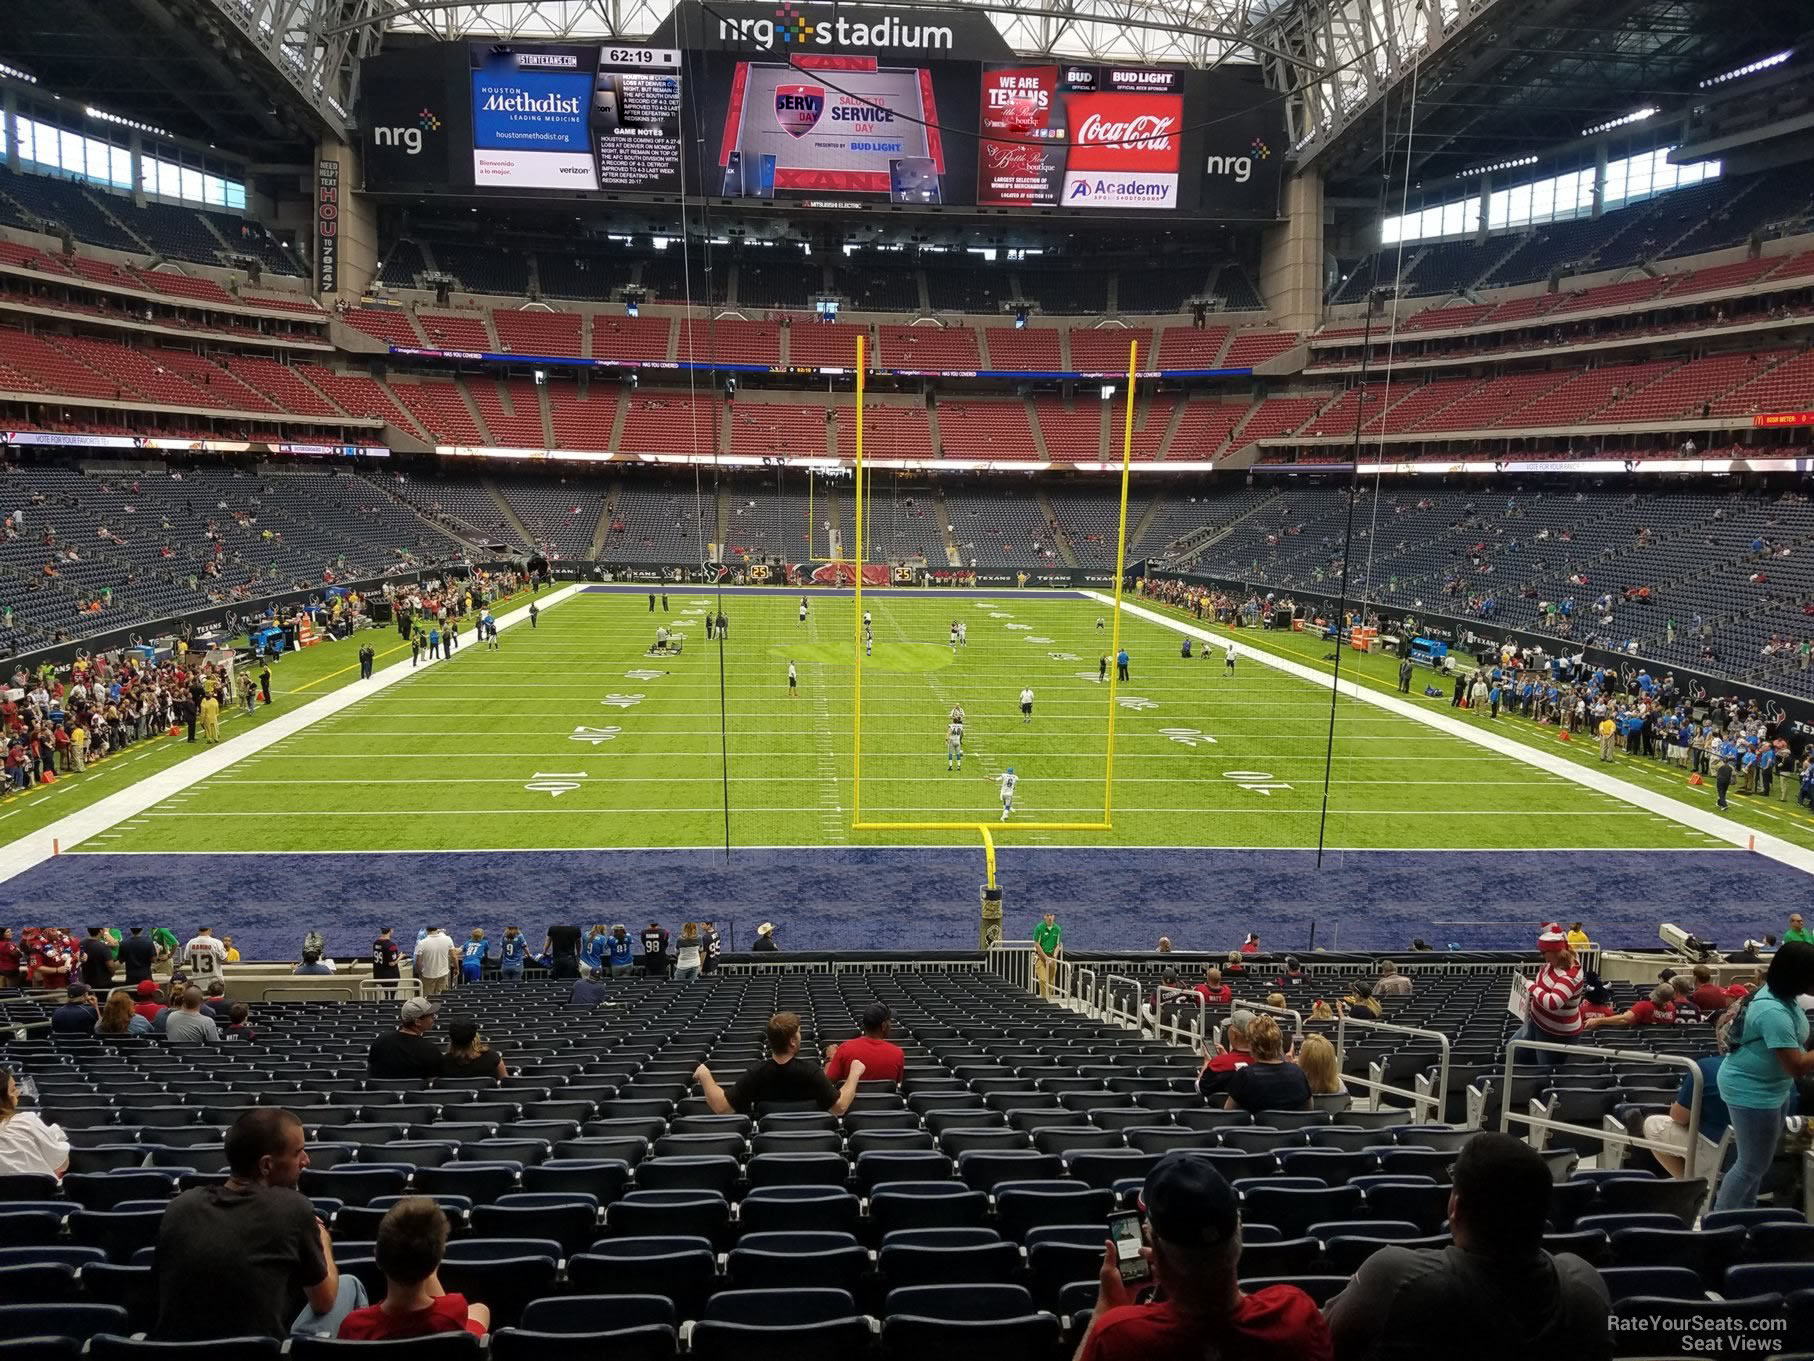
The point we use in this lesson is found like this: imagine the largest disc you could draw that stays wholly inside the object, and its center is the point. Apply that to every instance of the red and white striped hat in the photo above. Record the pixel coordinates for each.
(1552, 939)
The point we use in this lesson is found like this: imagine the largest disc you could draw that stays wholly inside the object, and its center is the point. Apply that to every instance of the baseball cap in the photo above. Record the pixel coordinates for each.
(1189, 1203)
(876, 1015)
(146, 988)
(79, 989)
(418, 1007)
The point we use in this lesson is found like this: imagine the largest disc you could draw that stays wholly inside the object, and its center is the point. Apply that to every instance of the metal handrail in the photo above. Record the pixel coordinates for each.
(1176, 1033)
(1419, 1100)
(1012, 960)
(1624, 1138)
(1111, 1010)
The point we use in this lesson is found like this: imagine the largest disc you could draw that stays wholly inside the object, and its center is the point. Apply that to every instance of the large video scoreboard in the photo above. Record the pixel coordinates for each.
(829, 111)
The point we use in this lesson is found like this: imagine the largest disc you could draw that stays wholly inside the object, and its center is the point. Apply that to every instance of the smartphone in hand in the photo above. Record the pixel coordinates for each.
(1128, 1234)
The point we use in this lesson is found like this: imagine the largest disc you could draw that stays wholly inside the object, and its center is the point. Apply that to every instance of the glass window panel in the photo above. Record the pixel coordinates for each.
(1519, 213)
(1470, 216)
(1390, 230)
(1543, 200)
(72, 159)
(1454, 218)
(22, 135)
(1498, 209)
(191, 182)
(236, 195)
(120, 159)
(214, 190)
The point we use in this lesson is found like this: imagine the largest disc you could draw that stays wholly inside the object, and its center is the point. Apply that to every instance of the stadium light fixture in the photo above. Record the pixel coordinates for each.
(101, 115)
(14, 73)
(1750, 68)
(1623, 121)
(1514, 163)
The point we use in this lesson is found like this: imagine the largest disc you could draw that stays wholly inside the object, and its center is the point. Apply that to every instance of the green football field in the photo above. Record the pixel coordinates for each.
(572, 736)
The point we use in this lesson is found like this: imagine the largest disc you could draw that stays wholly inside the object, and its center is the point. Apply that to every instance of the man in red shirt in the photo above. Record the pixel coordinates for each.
(1657, 1009)
(1214, 990)
(1709, 996)
(1200, 1311)
(882, 1061)
(149, 1002)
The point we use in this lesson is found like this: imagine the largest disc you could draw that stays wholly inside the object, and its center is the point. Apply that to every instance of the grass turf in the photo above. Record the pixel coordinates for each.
(571, 736)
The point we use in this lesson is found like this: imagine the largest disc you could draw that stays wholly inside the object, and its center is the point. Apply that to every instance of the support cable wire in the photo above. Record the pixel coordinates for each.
(1360, 420)
(689, 335)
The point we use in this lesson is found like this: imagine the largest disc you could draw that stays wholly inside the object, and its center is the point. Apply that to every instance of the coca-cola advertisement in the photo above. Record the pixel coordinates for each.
(1081, 137)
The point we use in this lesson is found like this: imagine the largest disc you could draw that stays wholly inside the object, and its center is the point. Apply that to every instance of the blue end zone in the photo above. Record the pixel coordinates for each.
(911, 898)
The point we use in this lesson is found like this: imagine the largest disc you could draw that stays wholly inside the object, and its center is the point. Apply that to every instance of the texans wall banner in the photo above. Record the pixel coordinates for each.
(832, 125)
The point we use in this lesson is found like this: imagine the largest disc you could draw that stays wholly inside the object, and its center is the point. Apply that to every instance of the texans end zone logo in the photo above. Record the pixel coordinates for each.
(798, 108)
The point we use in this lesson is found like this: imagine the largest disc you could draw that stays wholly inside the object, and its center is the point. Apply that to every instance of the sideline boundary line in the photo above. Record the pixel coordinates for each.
(103, 815)
(1675, 810)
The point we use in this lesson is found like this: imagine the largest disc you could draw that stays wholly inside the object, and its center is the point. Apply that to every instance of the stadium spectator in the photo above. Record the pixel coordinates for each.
(1270, 1081)
(407, 1051)
(1709, 996)
(28, 1146)
(1221, 1065)
(312, 965)
(1555, 997)
(587, 992)
(1048, 942)
(1766, 1050)
(883, 1060)
(1214, 990)
(1391, 982)
(765, 943)
(226, 943)
(137, 955)
(1496, 1286)
(619, 951)
(239, 1024)
(412, 1239)
(468, 1055)
(97, 961)
(1797, 932)
(204, 956)
(1577, 937)
(655, 950)
(1316, 1056)
(1294, 975)
(10, 959)
(384, 961)
(236, 1260)
(561, 949)
(1199, 1309)
(433, 963)
(1657, 1009)
(1251, 946)
(147, 1001)
(714, 945)
(783, 1077)
(1360, 1001)
(1165, 945)
(116, 1015)
(189, 1026)
(79, 1014)
(1672, 1128)
(688, 953)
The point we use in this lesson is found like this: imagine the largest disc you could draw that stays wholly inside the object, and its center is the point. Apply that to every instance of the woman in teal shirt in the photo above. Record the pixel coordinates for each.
(1766, 1051)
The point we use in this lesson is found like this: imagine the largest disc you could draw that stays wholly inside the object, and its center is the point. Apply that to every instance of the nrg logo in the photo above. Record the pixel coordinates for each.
(408, 138)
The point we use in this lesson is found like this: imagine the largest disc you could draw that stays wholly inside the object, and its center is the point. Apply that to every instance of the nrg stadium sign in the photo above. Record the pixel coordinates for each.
(754, 29)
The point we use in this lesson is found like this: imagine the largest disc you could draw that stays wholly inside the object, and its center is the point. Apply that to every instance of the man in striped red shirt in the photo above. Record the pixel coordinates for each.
(1555, 996)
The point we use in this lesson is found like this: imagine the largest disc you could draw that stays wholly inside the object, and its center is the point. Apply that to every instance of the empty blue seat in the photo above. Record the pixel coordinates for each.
(1021, 1207)
(1656, 1282)
(1292, 1211)
(460, 1346)
(769, 1208)
(39, 1283)
(965, 1322)
(913, 1205)
(112, 1347)
(912, 1264)
(680, 1269)
(833, 1340)
(765, 1308)
(1054, 1266)
(1769, 1278)
(702, 1214)
(777, 1261)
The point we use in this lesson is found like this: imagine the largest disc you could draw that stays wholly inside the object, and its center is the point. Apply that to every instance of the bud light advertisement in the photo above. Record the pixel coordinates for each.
(1081, 137)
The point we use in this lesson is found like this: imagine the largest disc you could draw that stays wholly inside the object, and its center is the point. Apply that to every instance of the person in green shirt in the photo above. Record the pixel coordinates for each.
(166, 942)
(1048, 936)
(1797, 931)
(1766, 1051)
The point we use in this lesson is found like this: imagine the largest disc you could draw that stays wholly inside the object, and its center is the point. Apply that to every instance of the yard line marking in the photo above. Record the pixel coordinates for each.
(103, 815)
(1659, 805)
(592, 810)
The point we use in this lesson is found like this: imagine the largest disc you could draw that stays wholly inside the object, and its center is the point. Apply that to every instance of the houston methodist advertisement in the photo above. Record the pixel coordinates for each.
(1080, 137)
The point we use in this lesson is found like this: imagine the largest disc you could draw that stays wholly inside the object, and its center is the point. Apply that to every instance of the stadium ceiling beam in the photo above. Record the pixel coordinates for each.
(313, 46)
(1349, 54)
(1203, 33)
